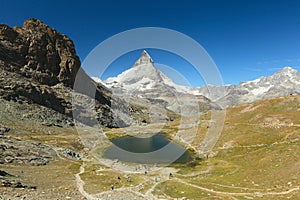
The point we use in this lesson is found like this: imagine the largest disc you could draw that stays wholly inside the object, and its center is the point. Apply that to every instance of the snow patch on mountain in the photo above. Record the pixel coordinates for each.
(284, 82)
(98, 80)
(260, 90)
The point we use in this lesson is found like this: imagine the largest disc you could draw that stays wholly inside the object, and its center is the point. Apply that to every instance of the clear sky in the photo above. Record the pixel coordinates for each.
(246, 39)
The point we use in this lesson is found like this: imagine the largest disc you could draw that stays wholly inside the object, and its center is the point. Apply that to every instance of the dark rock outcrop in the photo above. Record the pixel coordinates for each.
(40, 65)
(3, 129)
(8, 180)
(39, 52)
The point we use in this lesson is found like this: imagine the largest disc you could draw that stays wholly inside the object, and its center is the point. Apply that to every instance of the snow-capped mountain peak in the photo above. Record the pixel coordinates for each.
(288, 72)
(144, 80)
(143, 76)
(284, 82)
(144, 59)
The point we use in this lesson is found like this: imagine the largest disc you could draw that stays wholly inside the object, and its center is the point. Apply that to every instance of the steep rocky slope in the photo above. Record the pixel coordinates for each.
(39, 69)
(40, 65)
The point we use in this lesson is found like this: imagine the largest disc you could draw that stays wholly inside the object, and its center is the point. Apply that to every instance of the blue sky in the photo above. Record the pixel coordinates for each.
(246, 39)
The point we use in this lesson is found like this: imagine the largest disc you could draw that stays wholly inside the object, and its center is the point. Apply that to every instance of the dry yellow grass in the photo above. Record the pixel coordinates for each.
(258, 154)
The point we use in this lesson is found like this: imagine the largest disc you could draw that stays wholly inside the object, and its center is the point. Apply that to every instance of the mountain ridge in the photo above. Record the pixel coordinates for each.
(282, 83)
(143, 77)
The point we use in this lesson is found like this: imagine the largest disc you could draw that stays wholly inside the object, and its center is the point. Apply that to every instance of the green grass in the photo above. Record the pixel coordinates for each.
(267, 167)
(97, 181)
(243, 166)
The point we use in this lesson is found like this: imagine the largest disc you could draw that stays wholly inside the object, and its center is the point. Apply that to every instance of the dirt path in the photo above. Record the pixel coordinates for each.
(195, 174)
(80, 184)
(126, 192)
(214, 132)
(239, 193)
(121, 193)
(260, 145)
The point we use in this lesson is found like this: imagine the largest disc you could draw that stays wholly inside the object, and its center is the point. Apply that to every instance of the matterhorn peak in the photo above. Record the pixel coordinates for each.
(144, 59)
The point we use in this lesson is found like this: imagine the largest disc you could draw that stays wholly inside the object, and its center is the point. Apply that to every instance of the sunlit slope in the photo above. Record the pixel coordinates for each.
(256, 157)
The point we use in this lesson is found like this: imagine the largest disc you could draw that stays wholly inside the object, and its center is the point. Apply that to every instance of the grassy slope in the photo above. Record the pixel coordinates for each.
(256, 153)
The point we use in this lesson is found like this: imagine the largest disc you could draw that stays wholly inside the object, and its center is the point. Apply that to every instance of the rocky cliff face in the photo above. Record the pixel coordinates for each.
(39, 52)
(39, 65)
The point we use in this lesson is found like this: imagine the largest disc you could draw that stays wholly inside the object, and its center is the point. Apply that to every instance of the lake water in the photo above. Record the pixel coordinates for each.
(149, 149)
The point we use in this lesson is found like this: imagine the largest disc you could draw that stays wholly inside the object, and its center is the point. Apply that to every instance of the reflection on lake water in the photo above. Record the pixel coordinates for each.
(151, 149)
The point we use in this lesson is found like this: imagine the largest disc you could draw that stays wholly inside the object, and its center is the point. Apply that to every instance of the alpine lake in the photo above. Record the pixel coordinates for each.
(148, 149)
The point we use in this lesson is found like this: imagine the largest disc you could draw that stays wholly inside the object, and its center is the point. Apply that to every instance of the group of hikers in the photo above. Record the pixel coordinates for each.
(129, 179)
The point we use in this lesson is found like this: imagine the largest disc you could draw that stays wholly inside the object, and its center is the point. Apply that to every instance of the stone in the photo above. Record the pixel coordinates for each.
(3, 129)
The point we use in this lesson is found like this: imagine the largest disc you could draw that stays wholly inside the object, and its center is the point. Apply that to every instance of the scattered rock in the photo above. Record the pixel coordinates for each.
(4, 173)
(8, 180)
(24, 152)
(15, 184)
(259, 195)
(37, 161)
(72, 154)
(4, 129)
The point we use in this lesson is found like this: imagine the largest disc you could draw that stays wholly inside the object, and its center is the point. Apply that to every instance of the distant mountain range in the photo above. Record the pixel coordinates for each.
(283, 83)
(144, 80)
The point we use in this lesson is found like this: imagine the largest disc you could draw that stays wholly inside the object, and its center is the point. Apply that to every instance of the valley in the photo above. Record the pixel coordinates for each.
(57, 123)
(256, 157)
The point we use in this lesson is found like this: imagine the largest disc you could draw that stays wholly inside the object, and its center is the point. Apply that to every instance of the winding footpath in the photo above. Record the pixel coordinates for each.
(239, 193)
(133, 192)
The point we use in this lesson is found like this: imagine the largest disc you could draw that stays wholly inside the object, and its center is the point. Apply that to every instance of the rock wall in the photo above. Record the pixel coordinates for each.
(39, 52)
(40, 65)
